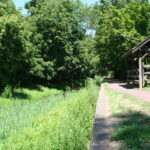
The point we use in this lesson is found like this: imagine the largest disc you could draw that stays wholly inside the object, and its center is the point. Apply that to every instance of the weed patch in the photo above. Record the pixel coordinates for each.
(67, 127)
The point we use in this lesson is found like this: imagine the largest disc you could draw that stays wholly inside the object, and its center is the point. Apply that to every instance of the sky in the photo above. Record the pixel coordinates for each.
(20, 3)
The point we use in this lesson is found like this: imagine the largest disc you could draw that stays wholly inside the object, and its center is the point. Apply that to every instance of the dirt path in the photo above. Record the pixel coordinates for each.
(102, 130)
(102, 125)
(144, 95)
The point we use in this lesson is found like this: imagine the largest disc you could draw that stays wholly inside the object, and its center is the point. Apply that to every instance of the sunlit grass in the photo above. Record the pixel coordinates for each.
(68, 126)
(132, 126)
(28, 94)
(147, 88)
(35, 93)
(21, 114)
(18, 111)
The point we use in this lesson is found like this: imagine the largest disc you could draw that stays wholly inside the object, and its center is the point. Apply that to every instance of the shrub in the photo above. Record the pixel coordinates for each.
(99, 79)
(7, 93)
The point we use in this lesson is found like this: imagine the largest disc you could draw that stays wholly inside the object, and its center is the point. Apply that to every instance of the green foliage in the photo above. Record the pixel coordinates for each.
(50, 44)
(7, 93)
(18, 113)
(47, 45)
(99, 80)
(68, 126)
(119, 28)
(16, 51)
(35, 93)
(88, 57)
(7, 7)
(12, 96)
(58, 34)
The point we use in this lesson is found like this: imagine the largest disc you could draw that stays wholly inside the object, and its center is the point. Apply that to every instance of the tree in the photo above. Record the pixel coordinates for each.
(7, 7)
(118, 30)
(17, 54)
(57, 31)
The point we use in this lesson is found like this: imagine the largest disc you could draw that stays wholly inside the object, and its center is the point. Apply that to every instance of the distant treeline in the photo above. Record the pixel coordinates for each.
(50, 43)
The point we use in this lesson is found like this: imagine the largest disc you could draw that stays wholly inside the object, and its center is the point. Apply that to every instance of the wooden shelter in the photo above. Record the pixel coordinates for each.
(138, 63)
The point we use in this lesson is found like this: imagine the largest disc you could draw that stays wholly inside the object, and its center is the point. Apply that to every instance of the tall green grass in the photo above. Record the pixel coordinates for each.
(35, 93)
(67, 127)
(19, 111)
(21, 114)
(26, 94)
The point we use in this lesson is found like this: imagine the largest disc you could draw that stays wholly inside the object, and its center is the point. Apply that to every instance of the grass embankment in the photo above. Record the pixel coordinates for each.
(66, 127)
(18, 112)
(147, 88)
(36, 92)
(132, 127)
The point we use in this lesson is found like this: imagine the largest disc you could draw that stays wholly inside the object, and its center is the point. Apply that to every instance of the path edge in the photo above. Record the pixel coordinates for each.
(97, 113)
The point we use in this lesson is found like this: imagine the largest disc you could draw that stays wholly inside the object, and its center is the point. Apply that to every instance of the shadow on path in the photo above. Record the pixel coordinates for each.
(101, 134)
(129, 86)
(102, 125)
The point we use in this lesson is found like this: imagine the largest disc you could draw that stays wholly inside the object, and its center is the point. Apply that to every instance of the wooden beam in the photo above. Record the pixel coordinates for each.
(147, 73)
(133, 70)
(146, 66)
(144, 55)
(147, 79)
(133, 76)
(143, 81)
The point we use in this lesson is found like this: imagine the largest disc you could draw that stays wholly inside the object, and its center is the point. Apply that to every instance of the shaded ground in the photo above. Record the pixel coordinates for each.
(101, 138)
(144, 95)
(132, 130)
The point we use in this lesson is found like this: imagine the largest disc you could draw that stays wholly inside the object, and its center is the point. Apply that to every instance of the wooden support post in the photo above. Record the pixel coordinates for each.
(140, 72)
(143, 73)
(143, 77)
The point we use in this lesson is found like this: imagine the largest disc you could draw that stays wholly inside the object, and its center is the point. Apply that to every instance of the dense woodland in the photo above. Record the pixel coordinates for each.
(51, 70)
(50, 44)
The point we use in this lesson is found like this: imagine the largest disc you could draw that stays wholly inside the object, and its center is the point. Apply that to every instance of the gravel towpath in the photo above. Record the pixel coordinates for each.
(143, 95)
(102, 129)
(102, 125)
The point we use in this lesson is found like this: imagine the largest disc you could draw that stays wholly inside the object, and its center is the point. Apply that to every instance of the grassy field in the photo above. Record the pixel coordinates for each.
(147, 88)
(36, 92)
(132, 125)
(19, 111)
(59, 121)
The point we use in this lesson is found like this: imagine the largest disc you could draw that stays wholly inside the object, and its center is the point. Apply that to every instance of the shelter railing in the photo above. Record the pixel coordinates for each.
(133, 75)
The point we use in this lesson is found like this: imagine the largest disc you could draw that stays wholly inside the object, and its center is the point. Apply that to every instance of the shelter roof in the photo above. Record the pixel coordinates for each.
(138, 47)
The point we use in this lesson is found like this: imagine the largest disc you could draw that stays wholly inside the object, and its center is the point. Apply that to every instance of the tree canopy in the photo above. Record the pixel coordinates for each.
(120, 26)
(50, 44)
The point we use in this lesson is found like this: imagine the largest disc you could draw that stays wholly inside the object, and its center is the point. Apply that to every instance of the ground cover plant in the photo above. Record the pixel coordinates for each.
(35, 92)
(131, 128)
(18, 111)
(147, 88)
(67, 126)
